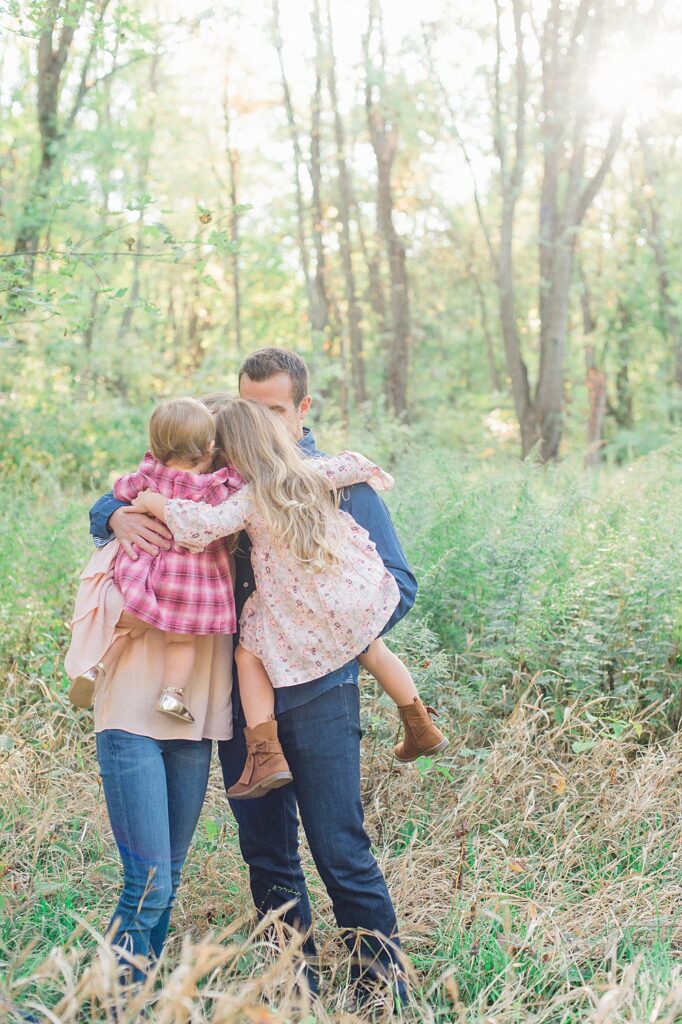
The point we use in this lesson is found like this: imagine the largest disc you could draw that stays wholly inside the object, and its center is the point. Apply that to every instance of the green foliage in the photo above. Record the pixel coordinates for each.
(52, 439)
(551, 575)
(43, 544)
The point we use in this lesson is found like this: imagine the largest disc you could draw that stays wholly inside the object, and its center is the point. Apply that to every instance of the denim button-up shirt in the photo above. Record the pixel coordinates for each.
(368, 510)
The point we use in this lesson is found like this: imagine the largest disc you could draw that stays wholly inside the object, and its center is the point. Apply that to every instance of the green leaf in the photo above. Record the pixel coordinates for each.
(582, 746)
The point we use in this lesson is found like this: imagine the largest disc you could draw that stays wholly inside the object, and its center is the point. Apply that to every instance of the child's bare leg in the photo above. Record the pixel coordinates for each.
(134, 628)
(420, 735)
(266, 766)
(255, 689)
(178, 666)
(389, 672)
(180, 655)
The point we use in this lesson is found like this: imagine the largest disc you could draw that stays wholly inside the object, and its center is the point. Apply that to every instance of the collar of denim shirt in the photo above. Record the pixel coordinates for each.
(307, 444)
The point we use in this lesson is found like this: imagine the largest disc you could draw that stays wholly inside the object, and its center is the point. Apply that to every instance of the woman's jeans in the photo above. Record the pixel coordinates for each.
(154, 791)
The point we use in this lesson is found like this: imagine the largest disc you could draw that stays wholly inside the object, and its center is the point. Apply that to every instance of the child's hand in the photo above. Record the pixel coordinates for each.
(152, 503)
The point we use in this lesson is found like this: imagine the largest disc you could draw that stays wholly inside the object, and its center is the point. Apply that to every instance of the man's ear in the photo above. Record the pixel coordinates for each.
(304, 407)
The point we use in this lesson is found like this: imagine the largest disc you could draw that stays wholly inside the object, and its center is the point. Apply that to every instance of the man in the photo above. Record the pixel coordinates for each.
(319, 723)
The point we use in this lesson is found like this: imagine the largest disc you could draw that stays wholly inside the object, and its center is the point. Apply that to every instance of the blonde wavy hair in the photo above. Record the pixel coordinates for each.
(292, 498)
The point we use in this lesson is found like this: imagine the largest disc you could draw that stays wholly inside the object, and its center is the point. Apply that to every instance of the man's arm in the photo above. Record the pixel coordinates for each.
(369, 511)
(111, 518)
(100, 514)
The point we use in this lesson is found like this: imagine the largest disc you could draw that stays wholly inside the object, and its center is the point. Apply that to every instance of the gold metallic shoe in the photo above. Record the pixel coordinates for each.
(82, 689)
(169, 703)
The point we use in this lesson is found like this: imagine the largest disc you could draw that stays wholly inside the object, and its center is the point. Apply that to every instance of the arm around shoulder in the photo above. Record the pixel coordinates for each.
(350, 468)
(195, 524)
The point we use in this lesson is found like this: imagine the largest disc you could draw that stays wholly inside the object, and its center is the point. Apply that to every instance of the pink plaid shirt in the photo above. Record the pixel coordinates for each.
(176, 591)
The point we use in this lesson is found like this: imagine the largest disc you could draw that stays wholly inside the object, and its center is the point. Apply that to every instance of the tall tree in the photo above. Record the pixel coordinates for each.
(570, 45)
(570, 41)
(511, 158)
(317, 311)
(136, 242)
(57, 29)
(234, 182)
(357, 354)
(651, 208)
(383, 130)
(595, 378)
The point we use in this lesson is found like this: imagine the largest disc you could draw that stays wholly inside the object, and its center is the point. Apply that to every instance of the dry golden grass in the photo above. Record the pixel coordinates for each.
(532, 883)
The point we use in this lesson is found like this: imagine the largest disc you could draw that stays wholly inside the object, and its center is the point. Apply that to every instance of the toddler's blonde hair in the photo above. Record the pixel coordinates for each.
(292, 498)
(181, 429)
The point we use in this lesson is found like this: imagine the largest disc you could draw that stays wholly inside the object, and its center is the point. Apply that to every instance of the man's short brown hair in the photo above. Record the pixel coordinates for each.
(266, 362)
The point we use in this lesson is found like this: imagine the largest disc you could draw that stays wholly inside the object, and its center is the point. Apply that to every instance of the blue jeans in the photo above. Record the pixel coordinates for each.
(154, 791)
(321, 740)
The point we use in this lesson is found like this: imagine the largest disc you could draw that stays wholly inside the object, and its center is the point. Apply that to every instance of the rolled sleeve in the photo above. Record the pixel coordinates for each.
(100, 514)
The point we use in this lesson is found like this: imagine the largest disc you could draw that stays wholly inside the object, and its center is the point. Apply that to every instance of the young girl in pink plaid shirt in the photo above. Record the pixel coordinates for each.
(184, 595)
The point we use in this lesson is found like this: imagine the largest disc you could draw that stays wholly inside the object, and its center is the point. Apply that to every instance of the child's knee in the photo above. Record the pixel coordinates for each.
(243, 658)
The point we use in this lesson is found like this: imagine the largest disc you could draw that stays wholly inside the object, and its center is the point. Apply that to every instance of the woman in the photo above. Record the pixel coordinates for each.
(154, 767)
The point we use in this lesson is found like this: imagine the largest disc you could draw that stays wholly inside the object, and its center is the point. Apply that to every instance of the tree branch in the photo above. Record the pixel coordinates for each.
(82, 85)
(498, 131)
(463, 146)
(521, 89)
(596, 181)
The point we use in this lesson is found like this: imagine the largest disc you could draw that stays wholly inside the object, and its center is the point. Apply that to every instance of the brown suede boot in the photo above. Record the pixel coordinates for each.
(421, 735)
(266, 766)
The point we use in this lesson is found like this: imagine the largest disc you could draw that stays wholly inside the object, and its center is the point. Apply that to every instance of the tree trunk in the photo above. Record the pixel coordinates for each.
(516, 366)
(315, 315)
(565, 70)
(384, 136)
(320, 278)
(53, 129)
(375, 289)
(138, 240)
(357, 355)
(622, 411)
(233, 163)
(656, 237)
(595, 382)
(495, 381)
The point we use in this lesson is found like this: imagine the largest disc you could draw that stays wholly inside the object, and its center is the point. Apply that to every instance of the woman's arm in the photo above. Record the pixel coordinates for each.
(193, 523)
(351, 468)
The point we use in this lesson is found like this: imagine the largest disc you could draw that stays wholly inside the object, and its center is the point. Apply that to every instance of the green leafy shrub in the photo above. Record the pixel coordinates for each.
(550, 575)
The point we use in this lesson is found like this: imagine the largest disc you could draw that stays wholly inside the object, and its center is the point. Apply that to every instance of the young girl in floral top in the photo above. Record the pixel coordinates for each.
(322, 592)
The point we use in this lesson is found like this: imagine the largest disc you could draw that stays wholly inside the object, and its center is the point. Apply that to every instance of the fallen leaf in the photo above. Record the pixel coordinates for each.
(259, 1015)
(559, 784)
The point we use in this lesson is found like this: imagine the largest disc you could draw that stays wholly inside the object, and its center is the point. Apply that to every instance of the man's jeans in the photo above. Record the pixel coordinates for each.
(321, 740)
(154, 791)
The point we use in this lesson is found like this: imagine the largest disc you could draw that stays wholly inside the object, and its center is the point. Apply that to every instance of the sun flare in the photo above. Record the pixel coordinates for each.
(637, 78)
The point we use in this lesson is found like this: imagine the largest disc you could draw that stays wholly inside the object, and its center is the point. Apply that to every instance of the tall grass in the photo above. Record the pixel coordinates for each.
(552, 575)
(535, 869)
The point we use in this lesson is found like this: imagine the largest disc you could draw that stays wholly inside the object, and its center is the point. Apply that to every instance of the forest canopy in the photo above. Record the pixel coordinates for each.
(451, 210)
